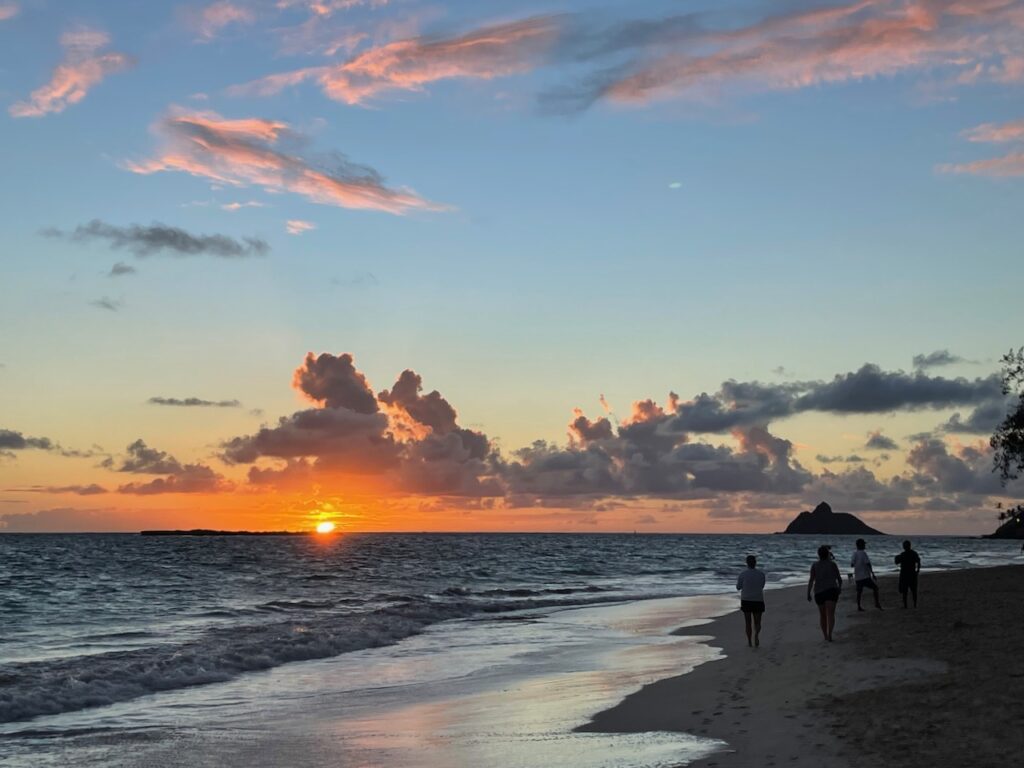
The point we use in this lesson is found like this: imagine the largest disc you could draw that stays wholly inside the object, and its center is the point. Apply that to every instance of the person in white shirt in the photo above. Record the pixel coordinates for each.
(751, 586)
(864, 573)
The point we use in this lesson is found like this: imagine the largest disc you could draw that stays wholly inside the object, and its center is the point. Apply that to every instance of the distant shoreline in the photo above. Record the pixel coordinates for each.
(207, 532)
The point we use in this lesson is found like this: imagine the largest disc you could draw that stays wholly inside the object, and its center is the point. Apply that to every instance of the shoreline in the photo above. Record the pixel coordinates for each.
(888, 675)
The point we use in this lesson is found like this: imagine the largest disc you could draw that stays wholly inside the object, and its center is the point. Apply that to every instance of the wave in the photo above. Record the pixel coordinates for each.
(33, 689)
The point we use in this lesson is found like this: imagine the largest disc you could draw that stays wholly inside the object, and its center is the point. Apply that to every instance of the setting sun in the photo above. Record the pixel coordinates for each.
(325, 527)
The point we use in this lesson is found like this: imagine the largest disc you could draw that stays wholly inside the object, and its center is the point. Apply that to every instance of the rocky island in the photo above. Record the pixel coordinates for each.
(824, 521)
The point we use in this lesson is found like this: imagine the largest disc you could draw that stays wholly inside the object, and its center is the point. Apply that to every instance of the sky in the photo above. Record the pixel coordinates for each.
(539, 266)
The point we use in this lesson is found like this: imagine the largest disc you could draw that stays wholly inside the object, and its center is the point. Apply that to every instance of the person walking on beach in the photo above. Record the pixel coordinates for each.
(910, 565)
(864, 574)
(751, 586)
(826, 582)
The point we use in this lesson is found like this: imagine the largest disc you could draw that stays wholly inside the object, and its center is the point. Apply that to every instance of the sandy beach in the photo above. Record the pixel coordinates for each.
(941, 684)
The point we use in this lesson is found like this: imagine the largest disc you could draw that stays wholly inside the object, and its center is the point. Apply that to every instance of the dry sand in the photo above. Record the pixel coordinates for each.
(939, 686)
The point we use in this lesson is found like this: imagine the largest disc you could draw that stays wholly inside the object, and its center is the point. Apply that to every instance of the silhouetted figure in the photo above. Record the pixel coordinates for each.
(910, 565)
(864, 574)
(826, 581)
(751, 586)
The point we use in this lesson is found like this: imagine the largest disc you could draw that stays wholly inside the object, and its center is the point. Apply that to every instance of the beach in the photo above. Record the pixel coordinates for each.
(942, 682)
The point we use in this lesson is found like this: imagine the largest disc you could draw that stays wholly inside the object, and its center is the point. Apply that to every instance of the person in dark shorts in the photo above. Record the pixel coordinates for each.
(910, 565)
(864, 573)
(751, 586)
(826, 582)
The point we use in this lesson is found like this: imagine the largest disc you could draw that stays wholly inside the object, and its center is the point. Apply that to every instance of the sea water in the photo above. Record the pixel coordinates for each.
(367, 649)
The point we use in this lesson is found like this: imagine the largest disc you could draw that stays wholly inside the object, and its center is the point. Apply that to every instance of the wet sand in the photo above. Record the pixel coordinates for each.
(939, 686)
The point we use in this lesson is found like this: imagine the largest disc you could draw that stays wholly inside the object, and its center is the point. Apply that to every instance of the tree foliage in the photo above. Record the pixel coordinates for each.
(1008, 439)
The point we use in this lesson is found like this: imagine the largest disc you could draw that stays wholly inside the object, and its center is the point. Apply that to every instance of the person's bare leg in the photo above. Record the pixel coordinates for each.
(823, 620)
(757, 629)
(860, 591)
(878, 602)
(831, 611)
(913, 591)
(746, 620)
(904, 593)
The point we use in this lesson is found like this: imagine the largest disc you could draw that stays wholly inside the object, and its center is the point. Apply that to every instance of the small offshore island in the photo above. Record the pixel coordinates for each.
(824, 521)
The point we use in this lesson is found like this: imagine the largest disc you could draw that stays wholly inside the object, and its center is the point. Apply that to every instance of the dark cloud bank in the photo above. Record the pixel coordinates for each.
(408, 441)
(412, 442)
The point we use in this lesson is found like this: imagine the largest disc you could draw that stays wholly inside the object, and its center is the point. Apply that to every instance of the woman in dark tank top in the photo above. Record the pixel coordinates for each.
(826, 581)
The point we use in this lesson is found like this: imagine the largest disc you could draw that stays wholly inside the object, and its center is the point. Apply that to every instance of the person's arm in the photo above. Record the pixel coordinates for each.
(739, 581)
(917, 565)
(839, 577)
(810, 584)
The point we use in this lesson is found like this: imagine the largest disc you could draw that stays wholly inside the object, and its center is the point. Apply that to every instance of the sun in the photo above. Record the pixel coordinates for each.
(325, 527)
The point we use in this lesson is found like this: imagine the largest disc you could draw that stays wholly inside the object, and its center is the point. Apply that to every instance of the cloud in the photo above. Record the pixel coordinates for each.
(325, 8)
(120, 268)
(8, 11)
(209, 21)
(59, 520)
(159, 238)
(695, 55)
(80, 490)
(84, 67)
(996, 134)
(111, 305)
(983, 420)
(851, 459)
(973, 39)
(965, 470)
(866, 390)
(249, 152)
(484, 53)
(1007, 165)
(858, 490)
(401, 440)
(936, 359)
(194, 402)
(192, 478)
(236, 206)
(11, 440)
(298, 226)
(879, 442)
(872, 390)
(333, 382)
(140, 459)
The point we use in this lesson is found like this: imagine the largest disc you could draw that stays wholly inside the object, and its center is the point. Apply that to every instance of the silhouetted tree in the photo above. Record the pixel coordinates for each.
(1008, 439)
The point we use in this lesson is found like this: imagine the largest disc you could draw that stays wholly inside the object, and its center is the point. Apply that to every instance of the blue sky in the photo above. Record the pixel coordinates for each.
(817, 213)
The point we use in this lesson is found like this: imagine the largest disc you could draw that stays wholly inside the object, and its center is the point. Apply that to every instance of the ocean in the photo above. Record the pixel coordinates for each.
(369, 649)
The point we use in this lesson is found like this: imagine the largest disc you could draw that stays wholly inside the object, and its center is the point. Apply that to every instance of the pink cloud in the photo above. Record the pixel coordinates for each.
(244, 152)
(1008, 165)
(409, 65)
(8, 11)
(213, 18)
(324, 8)
(854, 41)
(298, 226)
(84, 66)
(993, 133)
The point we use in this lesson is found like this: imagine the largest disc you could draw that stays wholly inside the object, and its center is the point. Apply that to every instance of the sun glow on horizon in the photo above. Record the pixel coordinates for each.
(325, 527)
